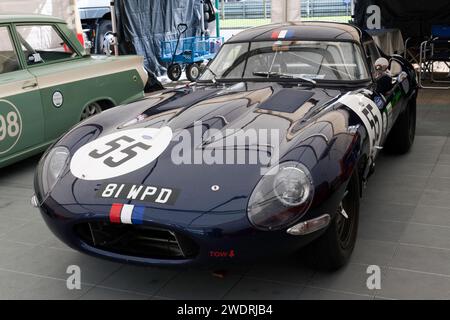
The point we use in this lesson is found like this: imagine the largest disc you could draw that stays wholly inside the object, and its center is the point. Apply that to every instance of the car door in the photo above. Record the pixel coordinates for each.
(21, 115)
(51, 57)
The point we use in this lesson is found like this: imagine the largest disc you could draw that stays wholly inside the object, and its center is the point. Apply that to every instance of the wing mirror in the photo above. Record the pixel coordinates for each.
(395, 67)
(383, 76)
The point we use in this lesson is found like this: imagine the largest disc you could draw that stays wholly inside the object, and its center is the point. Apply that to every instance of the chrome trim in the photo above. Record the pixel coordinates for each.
(34, 201)
(310, 226)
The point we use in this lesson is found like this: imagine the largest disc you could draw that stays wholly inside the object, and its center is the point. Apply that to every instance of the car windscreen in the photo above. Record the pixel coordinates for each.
(331, 61)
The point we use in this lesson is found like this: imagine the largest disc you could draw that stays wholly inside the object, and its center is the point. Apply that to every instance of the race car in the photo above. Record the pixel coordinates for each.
(48, 83)
(267, 153)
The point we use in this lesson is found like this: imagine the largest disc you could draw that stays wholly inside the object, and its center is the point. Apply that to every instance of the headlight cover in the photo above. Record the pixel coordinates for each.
(281, 196)
(53, 166)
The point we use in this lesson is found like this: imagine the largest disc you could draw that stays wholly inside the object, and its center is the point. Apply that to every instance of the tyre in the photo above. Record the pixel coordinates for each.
(104, 26)
(334, 248)
(192, 72)
(174, 72)
(401, 138)
(90, 110)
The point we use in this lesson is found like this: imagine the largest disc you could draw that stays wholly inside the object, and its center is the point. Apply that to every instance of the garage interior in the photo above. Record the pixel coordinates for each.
(404, 228)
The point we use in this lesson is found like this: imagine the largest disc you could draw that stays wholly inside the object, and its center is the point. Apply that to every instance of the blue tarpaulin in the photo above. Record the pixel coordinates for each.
(143, 24)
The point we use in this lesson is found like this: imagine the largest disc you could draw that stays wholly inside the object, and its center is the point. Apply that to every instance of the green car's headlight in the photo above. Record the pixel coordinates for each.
(53, 166)
(281, 197)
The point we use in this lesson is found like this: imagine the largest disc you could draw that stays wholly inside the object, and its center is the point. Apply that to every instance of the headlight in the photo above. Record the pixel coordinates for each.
(53, 166)
(281, 197)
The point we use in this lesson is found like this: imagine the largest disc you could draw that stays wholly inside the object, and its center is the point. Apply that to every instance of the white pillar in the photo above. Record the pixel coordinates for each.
(285, 10)
(74, 16)
(293, 10)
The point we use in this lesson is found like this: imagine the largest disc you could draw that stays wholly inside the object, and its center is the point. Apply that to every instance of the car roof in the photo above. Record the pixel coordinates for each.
(318, 31)
(17, 18)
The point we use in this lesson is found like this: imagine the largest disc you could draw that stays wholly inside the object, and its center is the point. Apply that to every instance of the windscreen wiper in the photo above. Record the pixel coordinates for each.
(283, 76)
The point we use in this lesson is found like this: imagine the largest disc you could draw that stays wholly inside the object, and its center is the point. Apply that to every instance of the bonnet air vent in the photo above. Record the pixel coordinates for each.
(286, 100)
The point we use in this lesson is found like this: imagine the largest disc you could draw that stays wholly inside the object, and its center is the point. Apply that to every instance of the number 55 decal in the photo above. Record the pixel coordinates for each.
(370, 115)
(119, 153)
(115, 145)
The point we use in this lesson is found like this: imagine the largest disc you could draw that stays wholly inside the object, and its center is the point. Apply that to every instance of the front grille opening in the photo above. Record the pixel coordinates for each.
(138, 241)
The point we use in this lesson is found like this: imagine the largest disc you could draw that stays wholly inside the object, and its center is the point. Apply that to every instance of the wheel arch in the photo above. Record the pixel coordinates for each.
(106, 16)
(362, 168)
(104, 102)
(360, 165)
(363, 163)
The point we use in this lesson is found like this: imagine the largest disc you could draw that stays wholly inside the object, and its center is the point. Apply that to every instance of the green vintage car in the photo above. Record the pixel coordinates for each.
(48, 83)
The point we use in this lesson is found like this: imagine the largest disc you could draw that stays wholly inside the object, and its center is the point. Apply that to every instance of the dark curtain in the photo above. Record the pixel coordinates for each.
(143, 24)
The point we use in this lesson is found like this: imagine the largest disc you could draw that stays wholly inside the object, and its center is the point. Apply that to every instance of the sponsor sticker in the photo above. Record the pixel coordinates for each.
(390, 116)
(385, 123)
(119, 153)
(136, 192)
(222, 253)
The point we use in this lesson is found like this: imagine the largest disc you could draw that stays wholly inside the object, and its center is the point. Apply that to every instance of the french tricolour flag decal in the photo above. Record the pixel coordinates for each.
(126, 213)
(282, 34)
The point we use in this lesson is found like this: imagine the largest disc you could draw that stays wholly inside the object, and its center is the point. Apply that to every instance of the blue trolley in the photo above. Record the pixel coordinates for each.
(188, 53)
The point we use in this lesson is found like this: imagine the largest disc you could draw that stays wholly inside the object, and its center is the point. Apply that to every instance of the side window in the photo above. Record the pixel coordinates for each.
(43, 44)
(8, 57)
(372, 54)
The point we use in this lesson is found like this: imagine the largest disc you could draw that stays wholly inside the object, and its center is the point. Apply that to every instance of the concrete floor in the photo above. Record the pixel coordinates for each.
(404, 229)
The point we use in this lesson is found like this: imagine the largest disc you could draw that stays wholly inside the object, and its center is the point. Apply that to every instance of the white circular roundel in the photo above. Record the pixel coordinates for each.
(10, 126)
(119, 153)
(57, 99)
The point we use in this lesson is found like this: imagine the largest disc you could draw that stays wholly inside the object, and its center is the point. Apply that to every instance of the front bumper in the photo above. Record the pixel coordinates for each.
(208, 240)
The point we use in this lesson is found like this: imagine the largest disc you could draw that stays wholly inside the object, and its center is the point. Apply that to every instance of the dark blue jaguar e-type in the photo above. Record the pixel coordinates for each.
(267, 153)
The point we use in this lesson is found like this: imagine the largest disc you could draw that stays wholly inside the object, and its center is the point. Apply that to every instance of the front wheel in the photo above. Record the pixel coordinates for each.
(104, 26)
(401, 138)
(174, 72)
(334, 248)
